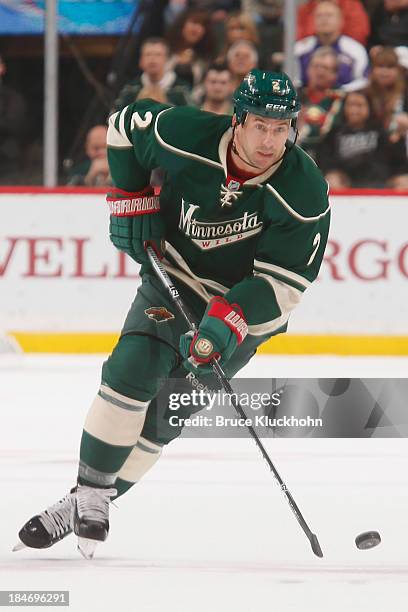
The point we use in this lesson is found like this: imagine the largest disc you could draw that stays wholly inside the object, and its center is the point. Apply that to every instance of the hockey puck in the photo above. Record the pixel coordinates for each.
(367, 540)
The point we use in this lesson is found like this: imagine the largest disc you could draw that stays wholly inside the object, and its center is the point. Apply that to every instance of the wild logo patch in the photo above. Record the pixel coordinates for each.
(160, 314)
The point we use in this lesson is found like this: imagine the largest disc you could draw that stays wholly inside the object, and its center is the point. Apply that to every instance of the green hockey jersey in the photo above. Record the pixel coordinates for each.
(259, 243)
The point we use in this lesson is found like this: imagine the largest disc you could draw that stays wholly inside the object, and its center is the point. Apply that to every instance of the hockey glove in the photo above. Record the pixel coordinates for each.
(135, 222)
(222, 329)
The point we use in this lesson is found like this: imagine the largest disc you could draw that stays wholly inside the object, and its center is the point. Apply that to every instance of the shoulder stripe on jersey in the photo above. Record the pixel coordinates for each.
(122, 128)
(114, 137)
(181, 152)
(267, 267)
(287, 298)
(292, 211)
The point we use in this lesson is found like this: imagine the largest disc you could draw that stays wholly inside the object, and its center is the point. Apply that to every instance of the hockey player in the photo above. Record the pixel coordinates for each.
(241, 224)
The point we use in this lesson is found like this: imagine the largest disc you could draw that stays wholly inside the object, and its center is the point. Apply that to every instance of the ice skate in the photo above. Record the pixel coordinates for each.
(91, 518)
(50, 526)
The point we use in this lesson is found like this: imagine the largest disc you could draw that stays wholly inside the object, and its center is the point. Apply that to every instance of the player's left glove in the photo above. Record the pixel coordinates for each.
(135, 222)
(222, 329)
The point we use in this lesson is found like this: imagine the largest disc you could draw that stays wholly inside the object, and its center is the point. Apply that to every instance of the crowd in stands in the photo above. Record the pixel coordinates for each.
(351, 73)
(93, 171)
(12, 119)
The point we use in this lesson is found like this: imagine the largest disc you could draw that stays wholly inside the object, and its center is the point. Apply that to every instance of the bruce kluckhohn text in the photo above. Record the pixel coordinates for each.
(258, 421)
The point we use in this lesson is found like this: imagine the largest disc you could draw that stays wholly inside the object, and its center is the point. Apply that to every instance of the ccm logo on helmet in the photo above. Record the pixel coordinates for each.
(276, 107)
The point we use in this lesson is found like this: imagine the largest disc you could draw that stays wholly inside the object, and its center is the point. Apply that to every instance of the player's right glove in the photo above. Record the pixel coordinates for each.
(135, 222)
(222, 328)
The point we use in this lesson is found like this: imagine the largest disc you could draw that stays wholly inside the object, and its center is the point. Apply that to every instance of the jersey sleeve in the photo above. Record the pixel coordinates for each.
(287, 261)
(132, 145)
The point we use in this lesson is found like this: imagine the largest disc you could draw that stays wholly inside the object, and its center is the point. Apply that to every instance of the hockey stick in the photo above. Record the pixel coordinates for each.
(218, 371)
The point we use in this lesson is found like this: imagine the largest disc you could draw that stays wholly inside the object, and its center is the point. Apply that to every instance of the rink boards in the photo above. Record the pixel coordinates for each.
(66, 289)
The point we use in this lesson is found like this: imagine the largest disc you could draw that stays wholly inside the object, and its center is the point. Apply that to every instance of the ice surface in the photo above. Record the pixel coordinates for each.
(207, 530)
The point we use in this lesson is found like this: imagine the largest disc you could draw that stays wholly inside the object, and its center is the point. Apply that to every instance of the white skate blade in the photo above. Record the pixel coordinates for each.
(87, 547)
(19, 546)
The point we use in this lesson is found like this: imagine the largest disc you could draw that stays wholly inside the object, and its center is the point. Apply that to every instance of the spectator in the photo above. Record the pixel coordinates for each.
(321, 101)
(218, 9)
(154, 92)
(357, 152)
(238, 26)
(154, 55)
(388, 93)
(390, 24)
(241, 58)
(352, 56)
(218, 90)
(263, 10)
(399, 182)
(173, 10)
(371, 6)
(191, 45)
(268, 15)
(94, 170)
(356, 20)
(12, 119)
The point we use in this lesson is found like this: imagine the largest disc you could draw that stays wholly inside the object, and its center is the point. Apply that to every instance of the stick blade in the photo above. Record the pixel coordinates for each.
(314, 542)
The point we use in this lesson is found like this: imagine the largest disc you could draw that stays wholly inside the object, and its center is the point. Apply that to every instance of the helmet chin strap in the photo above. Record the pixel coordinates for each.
(235, 150)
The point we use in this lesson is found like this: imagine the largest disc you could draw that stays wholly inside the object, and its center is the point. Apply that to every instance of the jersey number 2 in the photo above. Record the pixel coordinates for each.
(141, 123)
(316, 243)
